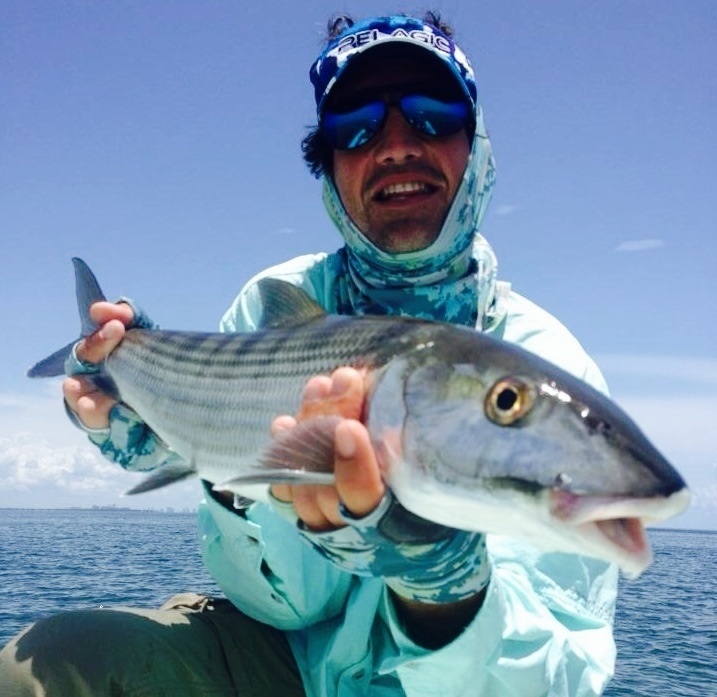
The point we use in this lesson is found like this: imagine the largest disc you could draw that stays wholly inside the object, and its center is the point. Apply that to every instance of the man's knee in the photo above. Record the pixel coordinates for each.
(84, 652)
(169, 652)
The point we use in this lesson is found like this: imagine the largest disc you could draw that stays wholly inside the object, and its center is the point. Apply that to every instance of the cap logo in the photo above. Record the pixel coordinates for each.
(343, 49)
(360, 39)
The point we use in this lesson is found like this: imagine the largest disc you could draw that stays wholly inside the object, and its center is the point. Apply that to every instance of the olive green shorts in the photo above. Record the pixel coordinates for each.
(192, 645)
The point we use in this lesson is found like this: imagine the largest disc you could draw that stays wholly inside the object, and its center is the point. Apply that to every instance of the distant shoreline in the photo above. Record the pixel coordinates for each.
(104, 509)
(192, 511)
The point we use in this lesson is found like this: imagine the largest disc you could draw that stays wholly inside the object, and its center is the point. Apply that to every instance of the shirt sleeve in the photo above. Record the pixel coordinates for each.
(545, 628)
(286, 584)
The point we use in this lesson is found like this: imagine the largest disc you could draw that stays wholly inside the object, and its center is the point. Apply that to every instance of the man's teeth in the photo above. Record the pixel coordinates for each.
(403, 188)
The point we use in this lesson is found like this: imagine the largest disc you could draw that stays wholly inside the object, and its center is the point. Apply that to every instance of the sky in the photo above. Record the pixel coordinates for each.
(160, 142)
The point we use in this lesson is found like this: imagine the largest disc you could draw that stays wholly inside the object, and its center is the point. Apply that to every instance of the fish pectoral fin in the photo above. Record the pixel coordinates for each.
(168, 474)
(303, 454)
(308, 447)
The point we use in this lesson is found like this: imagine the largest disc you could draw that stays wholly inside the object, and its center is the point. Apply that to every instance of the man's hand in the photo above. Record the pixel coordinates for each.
(92, 406)
(360, 488)
(358, 479)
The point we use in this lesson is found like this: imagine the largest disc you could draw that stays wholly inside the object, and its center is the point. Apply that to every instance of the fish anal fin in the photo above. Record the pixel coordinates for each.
(168, 474)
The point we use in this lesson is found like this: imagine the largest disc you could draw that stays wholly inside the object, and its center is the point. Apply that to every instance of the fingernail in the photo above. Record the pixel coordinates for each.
(313, 391)
(345, 443)
(340, 383)
(107, 331)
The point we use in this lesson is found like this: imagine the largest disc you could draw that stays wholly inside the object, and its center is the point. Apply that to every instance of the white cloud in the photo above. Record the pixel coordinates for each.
(38, 411)
(47, 462)
(27, 463)
(673, 398)
(35, 473)
(705, 497)
(505, 209)
(639, 245)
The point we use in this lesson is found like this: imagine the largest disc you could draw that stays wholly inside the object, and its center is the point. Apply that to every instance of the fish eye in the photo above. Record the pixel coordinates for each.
(508, 401)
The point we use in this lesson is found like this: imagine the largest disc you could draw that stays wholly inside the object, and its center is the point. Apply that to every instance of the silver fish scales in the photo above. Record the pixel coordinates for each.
(213, 396)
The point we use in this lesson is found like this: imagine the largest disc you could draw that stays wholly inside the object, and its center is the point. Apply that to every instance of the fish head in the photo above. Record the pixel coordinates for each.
(485, 436)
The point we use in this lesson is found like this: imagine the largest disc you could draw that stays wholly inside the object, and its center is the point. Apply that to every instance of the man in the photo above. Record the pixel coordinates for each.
(346, 602)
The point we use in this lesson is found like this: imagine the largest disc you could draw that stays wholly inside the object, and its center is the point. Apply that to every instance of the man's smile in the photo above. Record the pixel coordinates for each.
(403, 190)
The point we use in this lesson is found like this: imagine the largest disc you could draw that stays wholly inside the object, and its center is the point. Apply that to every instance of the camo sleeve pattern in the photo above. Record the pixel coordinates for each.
(128, 441)
(420, 561)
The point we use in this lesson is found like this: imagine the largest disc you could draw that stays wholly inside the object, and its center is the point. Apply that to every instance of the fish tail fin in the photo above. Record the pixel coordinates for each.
(88, 291)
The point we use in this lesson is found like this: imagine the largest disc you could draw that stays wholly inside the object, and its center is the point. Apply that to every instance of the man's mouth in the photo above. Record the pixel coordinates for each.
(403, 189)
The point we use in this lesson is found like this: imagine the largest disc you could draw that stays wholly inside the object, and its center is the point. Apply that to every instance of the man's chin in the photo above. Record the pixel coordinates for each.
(399, 240)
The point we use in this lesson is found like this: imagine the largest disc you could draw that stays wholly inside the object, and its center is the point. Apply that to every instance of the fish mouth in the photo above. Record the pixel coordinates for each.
(626, 533)
(617, 524)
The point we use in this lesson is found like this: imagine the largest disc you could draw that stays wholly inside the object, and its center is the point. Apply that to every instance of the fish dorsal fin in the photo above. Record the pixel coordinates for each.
(285, 305)
(88, 291)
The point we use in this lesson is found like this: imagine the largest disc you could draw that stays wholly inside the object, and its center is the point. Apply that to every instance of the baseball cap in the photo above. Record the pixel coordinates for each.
(345, 50)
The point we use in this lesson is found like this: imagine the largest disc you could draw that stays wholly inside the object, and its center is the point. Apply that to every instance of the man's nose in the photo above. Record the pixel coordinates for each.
(398, 140)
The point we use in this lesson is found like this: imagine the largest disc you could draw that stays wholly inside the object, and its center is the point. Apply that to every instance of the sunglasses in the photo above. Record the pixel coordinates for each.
(352, 126)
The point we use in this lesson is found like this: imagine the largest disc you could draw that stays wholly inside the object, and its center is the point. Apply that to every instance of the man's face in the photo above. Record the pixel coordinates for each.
(398, 187)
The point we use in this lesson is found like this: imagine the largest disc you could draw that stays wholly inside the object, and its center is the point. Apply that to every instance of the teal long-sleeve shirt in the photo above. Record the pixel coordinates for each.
(545, 627)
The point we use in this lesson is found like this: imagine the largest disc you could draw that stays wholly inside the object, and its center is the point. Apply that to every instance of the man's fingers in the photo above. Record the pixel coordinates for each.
(96, 347)
(103, 312)
(343, 394)
(91, 406)
(112, 319)
(318, 507)
(72, 389)
(282, 423)
(316, 389)
(358, 477)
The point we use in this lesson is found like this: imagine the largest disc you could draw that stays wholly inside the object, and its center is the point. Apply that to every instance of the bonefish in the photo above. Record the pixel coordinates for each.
(470, 431)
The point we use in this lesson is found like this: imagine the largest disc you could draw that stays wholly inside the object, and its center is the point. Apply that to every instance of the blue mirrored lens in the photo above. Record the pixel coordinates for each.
(352, 129)
(432, 116)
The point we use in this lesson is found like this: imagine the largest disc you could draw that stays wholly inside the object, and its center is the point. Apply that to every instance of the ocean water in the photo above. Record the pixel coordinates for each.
(666, 621)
